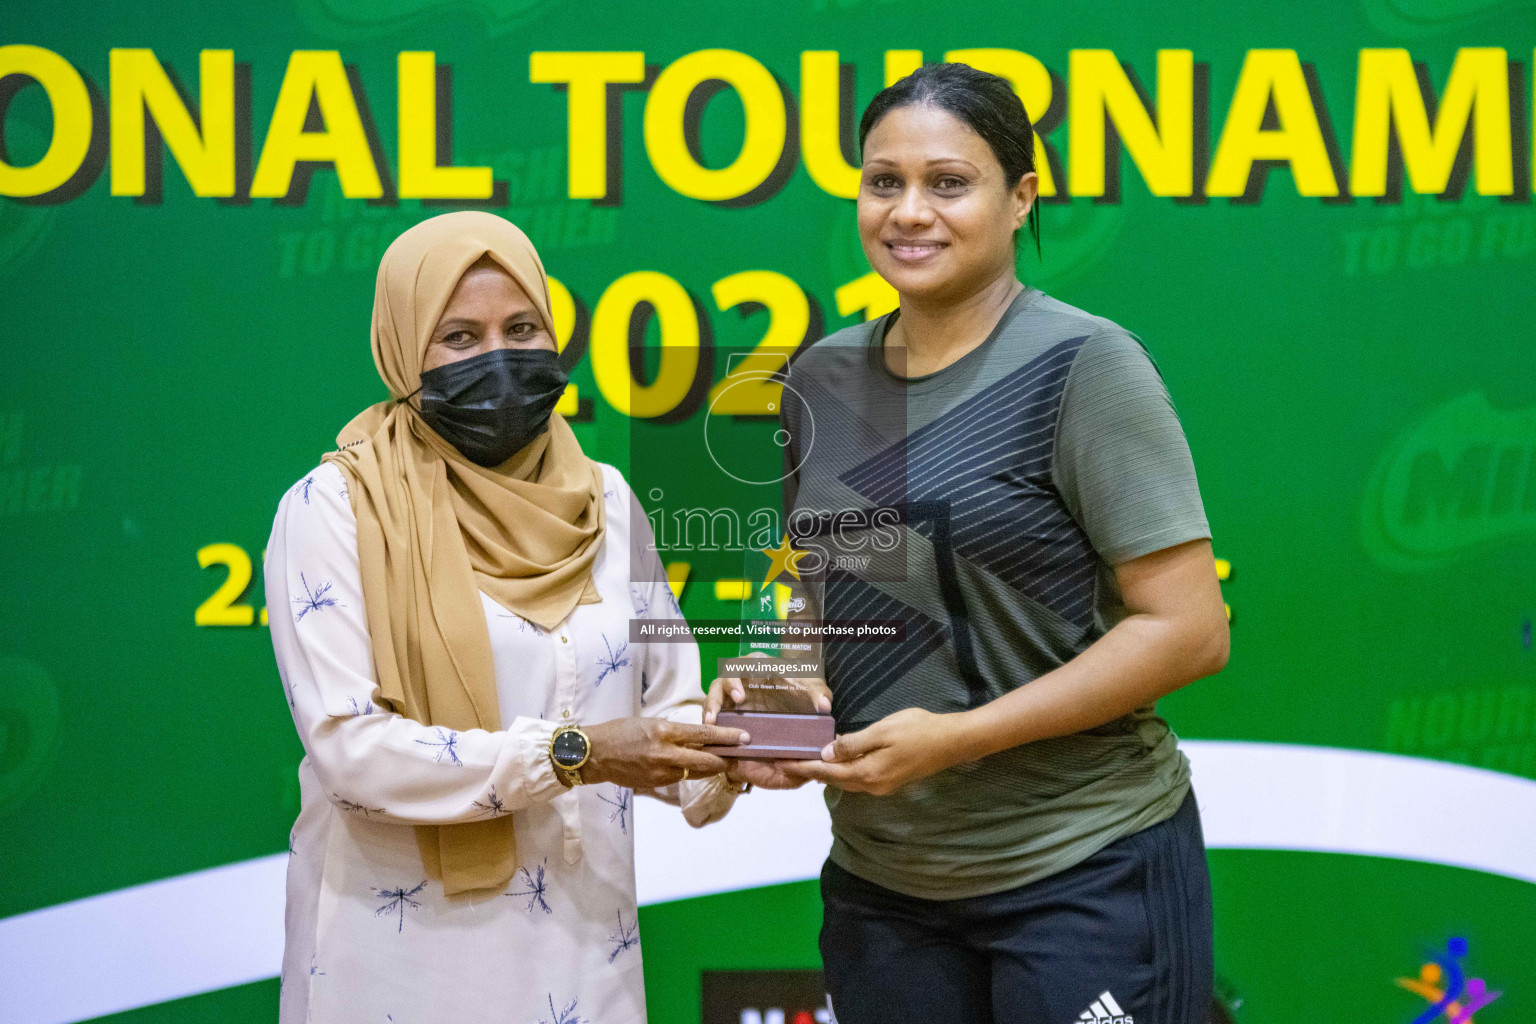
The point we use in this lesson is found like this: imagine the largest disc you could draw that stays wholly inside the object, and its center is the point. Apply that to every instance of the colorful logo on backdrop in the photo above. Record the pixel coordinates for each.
(1443, 983)
(766, 997)
(1460, 480)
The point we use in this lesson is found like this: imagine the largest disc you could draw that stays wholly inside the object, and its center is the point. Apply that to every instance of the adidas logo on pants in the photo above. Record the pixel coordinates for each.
(1105, 1011)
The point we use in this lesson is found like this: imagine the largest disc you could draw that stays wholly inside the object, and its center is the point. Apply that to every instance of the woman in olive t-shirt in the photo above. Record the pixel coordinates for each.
(1015, 838)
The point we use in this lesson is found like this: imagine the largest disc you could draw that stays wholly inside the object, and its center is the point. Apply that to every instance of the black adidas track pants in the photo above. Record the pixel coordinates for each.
(1122, 938)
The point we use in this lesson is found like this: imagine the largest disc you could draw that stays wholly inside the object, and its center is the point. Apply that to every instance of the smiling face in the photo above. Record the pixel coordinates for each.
(488, 310)
(936, 215)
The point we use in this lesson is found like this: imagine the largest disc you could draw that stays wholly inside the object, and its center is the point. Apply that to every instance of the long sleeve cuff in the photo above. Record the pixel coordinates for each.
(706, 800)
(531, 737)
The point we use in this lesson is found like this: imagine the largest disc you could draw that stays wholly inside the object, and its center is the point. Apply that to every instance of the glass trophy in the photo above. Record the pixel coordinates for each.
(778, 661)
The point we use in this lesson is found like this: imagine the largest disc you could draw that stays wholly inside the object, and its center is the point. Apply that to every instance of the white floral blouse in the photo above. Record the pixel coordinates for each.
(370, 938)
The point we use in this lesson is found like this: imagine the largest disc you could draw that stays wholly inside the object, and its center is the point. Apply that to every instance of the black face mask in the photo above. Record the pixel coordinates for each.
(491, 405)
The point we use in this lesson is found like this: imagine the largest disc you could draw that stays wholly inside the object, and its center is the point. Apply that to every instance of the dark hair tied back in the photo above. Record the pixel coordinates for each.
(984, 101)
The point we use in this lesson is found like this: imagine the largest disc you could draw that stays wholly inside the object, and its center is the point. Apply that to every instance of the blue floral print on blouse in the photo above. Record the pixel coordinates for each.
(446, 745)
(313, 600)
(535, 887)
(348, 805)
(565, 1016)
(627, 937)
(615, 660)
(492, 804)
(620, 805)
(398, 900)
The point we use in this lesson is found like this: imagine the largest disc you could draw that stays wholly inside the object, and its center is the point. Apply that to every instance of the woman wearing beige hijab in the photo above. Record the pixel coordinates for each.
(451, 593)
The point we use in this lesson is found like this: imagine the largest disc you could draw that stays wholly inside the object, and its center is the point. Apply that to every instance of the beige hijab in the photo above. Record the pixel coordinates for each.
(434, 529)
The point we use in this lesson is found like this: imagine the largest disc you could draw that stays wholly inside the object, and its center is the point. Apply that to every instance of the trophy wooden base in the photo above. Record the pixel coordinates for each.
(777, 736)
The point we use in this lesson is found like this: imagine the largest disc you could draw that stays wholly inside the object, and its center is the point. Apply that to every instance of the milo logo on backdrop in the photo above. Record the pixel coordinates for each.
(1420, 18)
(356, 19)
(1462, 478)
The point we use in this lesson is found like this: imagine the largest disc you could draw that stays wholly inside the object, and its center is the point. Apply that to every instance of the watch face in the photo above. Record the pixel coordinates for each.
(570, 749)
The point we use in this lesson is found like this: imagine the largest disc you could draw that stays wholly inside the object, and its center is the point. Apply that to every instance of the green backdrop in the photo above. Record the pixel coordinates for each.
(1354, 375)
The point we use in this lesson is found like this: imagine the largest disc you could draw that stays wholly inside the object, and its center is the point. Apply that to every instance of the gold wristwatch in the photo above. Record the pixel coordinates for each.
(569, 749)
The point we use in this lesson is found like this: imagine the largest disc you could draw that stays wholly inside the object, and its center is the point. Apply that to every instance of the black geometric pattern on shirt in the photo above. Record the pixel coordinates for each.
(832, 415)
(858, 673)
(990, 457)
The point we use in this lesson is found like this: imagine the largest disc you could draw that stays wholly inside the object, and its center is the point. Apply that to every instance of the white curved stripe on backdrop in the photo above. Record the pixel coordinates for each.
(174, 938)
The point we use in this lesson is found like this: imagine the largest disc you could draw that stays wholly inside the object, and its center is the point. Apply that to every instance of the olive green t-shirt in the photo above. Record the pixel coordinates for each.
(1021, 475)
